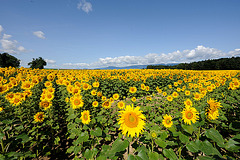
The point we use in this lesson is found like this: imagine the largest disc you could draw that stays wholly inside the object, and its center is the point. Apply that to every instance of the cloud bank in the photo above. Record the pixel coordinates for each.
(8, 45)
(85, 6)
(197, 54)
(39, 34)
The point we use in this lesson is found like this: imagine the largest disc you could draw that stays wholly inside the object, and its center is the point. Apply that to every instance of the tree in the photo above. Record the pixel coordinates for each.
(38, 63)
(7, 60)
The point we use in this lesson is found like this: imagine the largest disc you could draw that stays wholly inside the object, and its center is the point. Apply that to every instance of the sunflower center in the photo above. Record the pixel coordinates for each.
(131, 120)
(76, 102)
(189, 115)
(85, 117)
(168, 121)
(40, 116)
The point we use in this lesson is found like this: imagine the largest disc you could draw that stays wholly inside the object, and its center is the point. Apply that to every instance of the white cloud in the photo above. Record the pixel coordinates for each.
(9, 46)
(1, 29)
(39, 34)
(85, 6)
(49, 61)
(197, 54)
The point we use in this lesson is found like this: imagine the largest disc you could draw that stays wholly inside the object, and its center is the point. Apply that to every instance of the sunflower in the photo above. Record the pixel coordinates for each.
(132, 89)
(39, 117)
(121, 105)
(147, 88)
(1, 109)
(153, 134)
(106, 104)
(167, 121)
(169, 98)
(175, 94)
(94, 92)
(76, 102)
(187, 92)
(149, 98)
(190, 114)
(188, 103)
(49, 96)
(85, 117)
(143, 86)
(95, 84)
(16, 100)
(95, 103)
(164, 94)
(133, 99)
(115, 96)
(45, 104)
(197, 96)
(131, 121)
(48, 84)
(212, 111)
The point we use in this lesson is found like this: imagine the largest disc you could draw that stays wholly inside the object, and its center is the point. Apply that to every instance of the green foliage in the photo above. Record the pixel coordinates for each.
(38, 63)
(7, 60)
(211, 64)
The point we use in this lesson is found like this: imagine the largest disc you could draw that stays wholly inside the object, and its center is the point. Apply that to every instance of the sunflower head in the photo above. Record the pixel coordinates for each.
(121, 105)
(95, 103)
(39, 117)
(167, 121)
(190, 115)
(131, 121)
(85, 117)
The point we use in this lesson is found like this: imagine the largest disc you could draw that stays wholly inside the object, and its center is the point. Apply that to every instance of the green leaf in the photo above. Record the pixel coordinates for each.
(204, 158)
(101, 157)
(215, 136)
(24, 137)
(207, 148)
(83, 137)
(143, 155)
(77, 149)
(192, 147)
(188, 128)
(160, 143)
(119, 145)
(163, 135)
(232, 145)
(183, 138)
(169, 153)
(88, 154)
(97, 132)
(1, 135)
(131, 157)
(153, 155)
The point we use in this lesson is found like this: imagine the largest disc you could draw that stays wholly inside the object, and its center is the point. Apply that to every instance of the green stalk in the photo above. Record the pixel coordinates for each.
(152, 145)
(2, 145)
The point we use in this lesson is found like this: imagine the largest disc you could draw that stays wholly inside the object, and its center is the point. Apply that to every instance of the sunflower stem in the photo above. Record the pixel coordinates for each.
(152, 145)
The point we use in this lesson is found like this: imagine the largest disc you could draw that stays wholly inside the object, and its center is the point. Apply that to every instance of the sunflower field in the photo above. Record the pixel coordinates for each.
(119, 114)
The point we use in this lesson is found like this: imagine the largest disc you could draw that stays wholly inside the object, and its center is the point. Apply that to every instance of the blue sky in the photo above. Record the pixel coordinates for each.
(101, 33)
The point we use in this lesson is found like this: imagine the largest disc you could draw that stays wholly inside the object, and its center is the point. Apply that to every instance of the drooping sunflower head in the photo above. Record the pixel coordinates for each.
(39, 117)
(190, 115)
(85, 117)
(167, 121)
(131, 121)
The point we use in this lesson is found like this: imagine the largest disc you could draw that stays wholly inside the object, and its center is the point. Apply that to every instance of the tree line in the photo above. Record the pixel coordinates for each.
(7, 60)
(211, 64)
